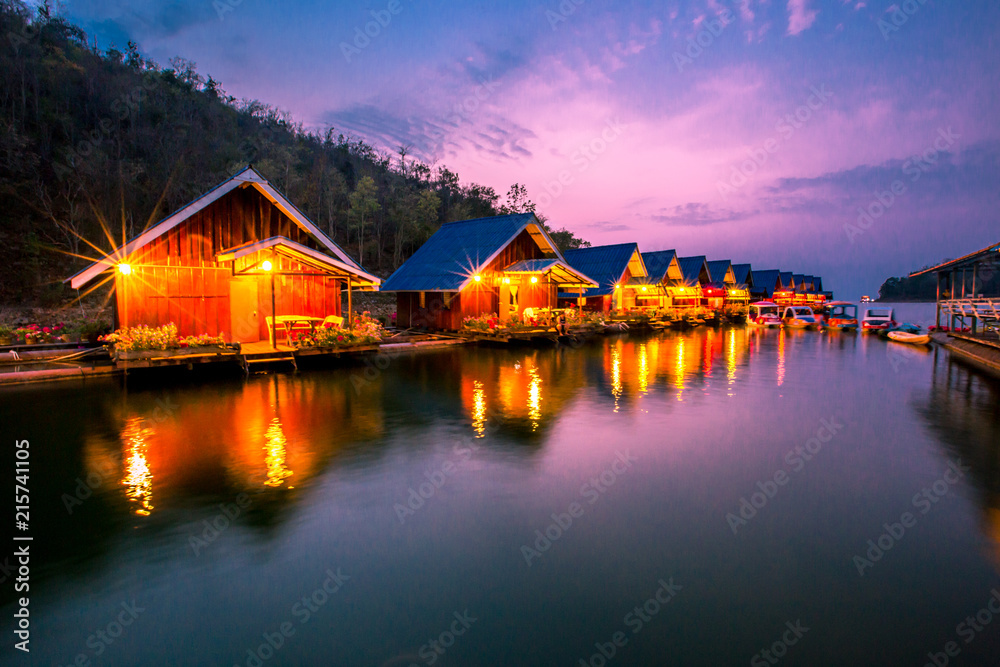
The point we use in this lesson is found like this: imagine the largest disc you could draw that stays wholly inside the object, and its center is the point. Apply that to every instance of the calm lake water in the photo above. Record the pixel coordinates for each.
(699, 497)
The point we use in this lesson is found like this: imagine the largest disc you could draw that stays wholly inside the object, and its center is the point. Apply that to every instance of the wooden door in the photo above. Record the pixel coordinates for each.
(244, 318)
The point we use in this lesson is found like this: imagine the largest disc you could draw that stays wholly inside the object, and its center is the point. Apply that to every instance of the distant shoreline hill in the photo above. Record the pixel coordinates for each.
(924, 288)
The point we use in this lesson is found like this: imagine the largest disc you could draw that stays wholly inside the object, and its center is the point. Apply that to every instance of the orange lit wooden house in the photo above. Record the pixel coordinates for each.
(499, 265)
(619, 271)
(225, 263)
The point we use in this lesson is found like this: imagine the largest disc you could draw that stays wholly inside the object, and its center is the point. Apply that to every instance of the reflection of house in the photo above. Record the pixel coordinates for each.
(503, 264)
(695, 276)
(224, 262)
(664, 276)
(614, 268)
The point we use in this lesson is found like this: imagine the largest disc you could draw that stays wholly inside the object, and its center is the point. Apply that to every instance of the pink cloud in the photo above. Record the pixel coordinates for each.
(800, 17)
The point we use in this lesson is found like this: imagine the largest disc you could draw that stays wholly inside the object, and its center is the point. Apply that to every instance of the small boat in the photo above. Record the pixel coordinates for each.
(911, 338)
(842, 316)
(877, 319)
(800, 317)
(764, 314)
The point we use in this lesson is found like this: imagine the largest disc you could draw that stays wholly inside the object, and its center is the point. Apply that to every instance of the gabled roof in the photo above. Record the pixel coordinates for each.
(451, 257)
(300, 253)
(564, 274)
(766, 281)
(247, 177)
(817, 284)
(719, 270)
(787, 280)
(606, 265)
(743, 274)
(693, 268)
(657, 264)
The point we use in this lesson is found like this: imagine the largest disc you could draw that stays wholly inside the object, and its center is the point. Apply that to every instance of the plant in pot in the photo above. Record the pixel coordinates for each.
(6, 335)
(92, 330)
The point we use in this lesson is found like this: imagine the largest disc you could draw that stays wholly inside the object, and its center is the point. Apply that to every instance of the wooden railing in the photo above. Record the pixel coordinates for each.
(983, 309)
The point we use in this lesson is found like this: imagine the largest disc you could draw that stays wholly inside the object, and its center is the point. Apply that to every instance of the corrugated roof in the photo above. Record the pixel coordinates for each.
(817, 284)
(766, 281)
(457, 251)
(691, 267)
(604, 264)
(744, 274)
(657, 263)
(786, 279)
(532, 265)
(718, 269)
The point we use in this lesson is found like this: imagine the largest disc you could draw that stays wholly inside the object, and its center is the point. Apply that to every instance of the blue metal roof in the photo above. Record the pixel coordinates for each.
(817, 284)
(718, 269)
(604, 264)
(786, 279)
(657, 263)
(456, 252)
(691, 268)
(766, 281)
(744, 274)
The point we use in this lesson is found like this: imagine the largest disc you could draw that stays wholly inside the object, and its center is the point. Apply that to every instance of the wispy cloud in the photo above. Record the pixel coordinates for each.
(800, 17)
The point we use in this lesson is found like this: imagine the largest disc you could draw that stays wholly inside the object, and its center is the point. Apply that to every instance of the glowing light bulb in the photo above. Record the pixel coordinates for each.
(534, 279)
(125, 269)
(477, 278)
(266, 265)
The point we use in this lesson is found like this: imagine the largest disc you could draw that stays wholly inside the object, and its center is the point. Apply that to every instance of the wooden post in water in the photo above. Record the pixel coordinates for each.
(274, 315)
(937, 319)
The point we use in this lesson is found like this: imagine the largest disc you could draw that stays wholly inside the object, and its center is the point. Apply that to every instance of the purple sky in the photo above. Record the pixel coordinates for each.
(752, 130)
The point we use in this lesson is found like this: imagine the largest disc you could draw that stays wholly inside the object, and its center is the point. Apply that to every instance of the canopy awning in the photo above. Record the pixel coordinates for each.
(315, 259)
(558, 271)
(988, 255)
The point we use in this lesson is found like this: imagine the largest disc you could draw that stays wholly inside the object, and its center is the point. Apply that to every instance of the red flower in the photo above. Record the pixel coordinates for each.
(46, 330)
(184, 343)
(340, 339)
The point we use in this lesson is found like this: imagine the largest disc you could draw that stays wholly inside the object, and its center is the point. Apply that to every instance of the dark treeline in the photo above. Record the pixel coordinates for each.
(93, 139)
(924, 288)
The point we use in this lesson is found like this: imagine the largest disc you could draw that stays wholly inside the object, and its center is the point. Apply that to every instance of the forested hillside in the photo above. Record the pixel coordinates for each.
(93, 139)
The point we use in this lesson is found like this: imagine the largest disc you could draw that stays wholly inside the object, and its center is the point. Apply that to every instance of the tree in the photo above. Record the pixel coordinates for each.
(517, 201)
(566, 240)
(364, 205)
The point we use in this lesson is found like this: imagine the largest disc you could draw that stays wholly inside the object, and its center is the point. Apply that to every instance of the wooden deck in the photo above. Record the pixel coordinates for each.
(980, 351)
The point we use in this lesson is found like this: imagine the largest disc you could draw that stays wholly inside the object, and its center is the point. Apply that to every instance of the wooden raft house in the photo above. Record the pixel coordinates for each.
(619, 272)
(230, 263)
(505, 265)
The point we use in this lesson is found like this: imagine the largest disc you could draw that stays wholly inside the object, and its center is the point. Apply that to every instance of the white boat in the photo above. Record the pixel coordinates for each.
(800, 317)
(764, 314)
(877, 319)
(912, 339)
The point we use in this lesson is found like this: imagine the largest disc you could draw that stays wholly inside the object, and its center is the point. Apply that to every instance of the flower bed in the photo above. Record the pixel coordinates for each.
(366, 331)
(144, 342)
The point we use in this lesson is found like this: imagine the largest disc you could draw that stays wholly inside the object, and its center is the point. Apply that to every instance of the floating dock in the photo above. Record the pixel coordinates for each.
(978, 350)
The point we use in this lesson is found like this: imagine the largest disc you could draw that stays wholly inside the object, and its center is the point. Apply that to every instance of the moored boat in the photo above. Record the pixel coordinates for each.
(911, 338)
(764, 314)
(842, 316)
(878, 319)
(800, 317)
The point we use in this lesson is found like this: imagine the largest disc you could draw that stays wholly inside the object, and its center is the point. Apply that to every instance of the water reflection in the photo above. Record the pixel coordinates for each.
(478, 409)
(276, 454)
(616, 374)
(138, 479)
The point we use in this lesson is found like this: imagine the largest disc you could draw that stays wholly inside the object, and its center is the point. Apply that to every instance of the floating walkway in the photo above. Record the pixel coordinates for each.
(975, 349)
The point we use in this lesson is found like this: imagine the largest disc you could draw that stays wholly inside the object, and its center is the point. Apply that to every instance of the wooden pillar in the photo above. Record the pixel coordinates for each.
(274, 315)
(937, 320)
(975, 273)
(350, 305)
(963, 283)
